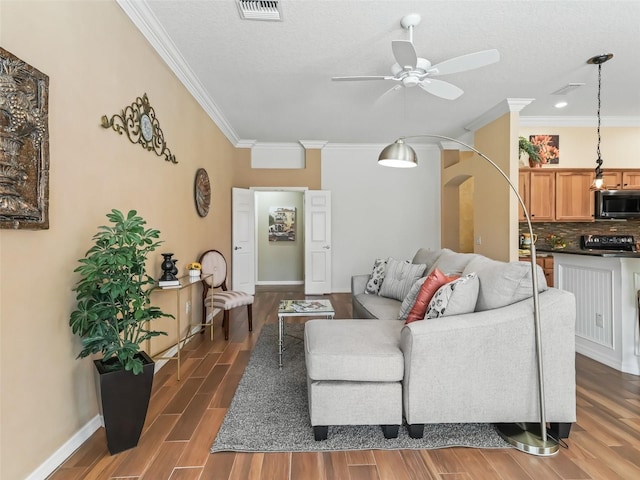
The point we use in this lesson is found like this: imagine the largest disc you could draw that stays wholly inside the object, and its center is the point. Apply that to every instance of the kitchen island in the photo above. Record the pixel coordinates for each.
(606, 286)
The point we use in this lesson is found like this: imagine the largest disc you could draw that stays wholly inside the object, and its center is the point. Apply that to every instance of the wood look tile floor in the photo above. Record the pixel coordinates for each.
(184, 417)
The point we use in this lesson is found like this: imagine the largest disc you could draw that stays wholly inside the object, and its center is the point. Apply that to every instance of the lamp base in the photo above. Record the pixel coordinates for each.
(527, 438)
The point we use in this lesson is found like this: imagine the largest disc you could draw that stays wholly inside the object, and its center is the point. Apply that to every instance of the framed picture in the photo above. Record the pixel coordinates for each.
(282, 224)
(548, 146)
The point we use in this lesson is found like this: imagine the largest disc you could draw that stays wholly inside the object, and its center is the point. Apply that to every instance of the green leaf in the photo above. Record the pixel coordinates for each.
(113, 308)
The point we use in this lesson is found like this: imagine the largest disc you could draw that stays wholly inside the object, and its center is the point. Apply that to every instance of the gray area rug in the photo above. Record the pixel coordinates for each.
(269, 412)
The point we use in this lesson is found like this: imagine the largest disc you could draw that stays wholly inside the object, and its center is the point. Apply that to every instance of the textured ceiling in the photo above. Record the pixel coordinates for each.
(271, 81)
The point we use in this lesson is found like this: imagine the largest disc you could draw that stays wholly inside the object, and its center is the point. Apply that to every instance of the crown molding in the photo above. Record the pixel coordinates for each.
(313, 144)
(244, 143)
(376, 146)
(506, 106)
(144, 19)
(579, 121)
(278, 146)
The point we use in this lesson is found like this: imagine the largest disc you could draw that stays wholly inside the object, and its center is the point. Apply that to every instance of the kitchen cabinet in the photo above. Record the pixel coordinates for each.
(574, 199)
(564, 194)
(546, 263)
(542, 192)
(612, 180)
(631, 180)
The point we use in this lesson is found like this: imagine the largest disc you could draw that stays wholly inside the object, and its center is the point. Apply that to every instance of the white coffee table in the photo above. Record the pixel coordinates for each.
(300, 308)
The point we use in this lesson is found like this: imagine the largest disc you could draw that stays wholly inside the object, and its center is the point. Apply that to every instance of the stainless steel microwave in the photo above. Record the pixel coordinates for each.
(617, 204)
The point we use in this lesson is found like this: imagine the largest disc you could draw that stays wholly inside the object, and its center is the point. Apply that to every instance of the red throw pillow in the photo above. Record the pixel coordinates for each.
(434, 281)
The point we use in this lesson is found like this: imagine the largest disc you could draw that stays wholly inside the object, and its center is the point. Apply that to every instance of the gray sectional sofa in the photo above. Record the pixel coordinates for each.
(479, 366)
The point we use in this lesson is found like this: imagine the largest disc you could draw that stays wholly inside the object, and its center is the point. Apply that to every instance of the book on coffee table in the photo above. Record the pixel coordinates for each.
(304, 306)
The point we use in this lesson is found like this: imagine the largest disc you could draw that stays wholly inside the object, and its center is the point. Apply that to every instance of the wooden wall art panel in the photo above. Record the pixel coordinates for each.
(24, 145)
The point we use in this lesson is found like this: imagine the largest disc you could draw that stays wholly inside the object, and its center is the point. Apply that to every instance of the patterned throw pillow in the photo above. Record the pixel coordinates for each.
(455, 298)
(399, 278)
(377, 276)
(433, 282)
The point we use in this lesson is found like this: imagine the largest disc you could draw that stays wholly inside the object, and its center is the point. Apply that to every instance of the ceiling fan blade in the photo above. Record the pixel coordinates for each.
(440, 89)
(382, 98)
(404, 53)
(465, 62)
(373, 77)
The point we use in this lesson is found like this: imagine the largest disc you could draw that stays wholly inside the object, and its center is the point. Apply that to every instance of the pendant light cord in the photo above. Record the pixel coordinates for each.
(599, 160)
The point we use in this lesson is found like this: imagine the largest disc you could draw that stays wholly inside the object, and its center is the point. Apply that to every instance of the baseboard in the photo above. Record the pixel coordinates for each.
(66, 450)
(82, 435)
(281, 282)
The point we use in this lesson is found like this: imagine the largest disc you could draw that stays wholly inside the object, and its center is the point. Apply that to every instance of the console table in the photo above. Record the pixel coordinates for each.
(186, 282)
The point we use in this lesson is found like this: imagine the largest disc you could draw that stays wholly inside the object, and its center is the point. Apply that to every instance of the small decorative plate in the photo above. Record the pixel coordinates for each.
(202, 192)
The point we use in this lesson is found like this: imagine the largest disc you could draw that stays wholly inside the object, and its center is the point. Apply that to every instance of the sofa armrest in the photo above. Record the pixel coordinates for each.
(481, 367)
(358, 284)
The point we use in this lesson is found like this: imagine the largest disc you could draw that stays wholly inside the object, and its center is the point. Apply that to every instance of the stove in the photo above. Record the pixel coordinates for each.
(620, 243)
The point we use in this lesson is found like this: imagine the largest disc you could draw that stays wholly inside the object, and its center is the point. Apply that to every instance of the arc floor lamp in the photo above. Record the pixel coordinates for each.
(529, 438)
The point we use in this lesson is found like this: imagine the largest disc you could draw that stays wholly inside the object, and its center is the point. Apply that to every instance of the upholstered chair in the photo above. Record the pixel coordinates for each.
(213, 262)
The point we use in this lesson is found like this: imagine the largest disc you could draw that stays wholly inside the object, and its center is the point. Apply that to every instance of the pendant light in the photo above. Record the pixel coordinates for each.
(598, 183)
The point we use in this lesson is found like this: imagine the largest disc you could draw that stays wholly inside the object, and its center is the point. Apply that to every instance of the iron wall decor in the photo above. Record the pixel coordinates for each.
(141, 125)
(24, 145)
(202, 192)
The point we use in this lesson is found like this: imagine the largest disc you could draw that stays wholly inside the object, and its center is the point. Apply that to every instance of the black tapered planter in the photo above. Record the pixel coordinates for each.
(124, 402)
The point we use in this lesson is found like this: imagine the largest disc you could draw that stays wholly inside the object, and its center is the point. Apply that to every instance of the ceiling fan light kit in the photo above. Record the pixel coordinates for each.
(411, 70)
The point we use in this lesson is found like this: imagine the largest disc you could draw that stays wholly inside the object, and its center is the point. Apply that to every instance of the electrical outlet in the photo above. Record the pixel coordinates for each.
(188, 307)
(478, 240)
(599, 320)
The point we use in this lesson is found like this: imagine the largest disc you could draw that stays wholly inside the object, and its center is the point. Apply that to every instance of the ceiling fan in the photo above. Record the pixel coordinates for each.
(411, 70)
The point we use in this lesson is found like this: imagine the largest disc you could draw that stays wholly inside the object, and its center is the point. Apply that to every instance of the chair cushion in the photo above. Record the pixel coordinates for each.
(229, 299)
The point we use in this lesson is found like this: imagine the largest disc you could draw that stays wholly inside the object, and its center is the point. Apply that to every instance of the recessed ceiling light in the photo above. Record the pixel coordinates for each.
(561, 103)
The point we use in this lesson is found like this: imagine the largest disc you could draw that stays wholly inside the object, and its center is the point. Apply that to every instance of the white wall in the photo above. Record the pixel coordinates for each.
(379, 211)
(279, 262)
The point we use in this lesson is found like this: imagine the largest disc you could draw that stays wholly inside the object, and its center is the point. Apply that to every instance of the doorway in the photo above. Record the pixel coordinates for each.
(279, 237)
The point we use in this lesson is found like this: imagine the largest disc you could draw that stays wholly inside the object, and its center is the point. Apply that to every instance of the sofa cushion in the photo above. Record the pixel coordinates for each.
(433, 282)
(375, 306)
(455, 298)
(503, 283)
(377, 276)
(453, 263)
(426, 257)
(410, 299)
(399, 278)
(353, 350)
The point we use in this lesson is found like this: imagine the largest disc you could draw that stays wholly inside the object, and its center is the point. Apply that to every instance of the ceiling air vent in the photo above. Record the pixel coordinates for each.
(569, 87)
(260, 9)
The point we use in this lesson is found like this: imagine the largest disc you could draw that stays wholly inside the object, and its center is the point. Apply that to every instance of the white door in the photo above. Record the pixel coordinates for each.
(243, 241)
(317, 242)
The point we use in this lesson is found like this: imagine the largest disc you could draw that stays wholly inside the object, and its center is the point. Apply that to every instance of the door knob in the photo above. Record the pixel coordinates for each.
(237, 248)
(326, 247)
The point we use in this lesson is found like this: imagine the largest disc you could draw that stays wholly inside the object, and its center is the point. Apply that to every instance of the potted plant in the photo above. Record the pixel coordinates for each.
(112, 318)
(532, 150)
